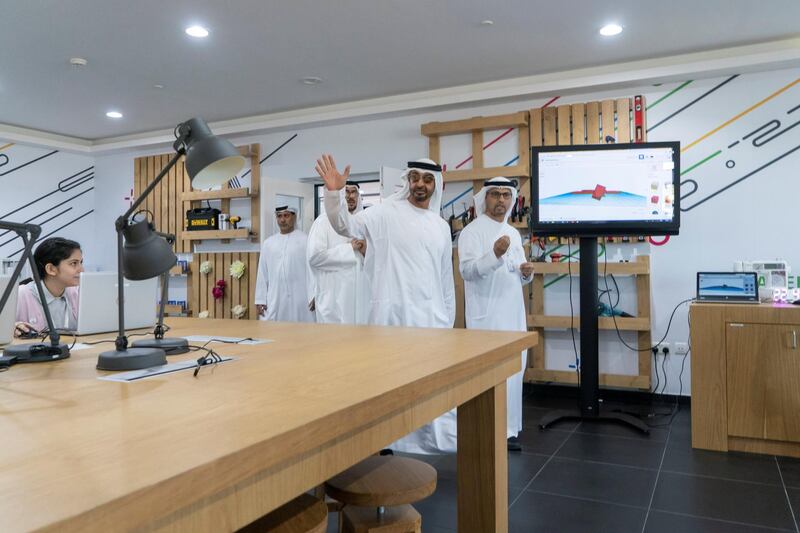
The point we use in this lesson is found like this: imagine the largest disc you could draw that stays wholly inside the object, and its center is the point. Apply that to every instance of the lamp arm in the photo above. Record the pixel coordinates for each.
(120, 224)
(158, 333)
(28, 233)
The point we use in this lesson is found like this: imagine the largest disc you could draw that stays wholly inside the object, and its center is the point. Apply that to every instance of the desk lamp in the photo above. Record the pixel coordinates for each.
(39, 351)
(142, 253)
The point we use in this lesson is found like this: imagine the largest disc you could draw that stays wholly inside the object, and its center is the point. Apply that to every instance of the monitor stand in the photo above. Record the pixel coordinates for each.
(589, 389)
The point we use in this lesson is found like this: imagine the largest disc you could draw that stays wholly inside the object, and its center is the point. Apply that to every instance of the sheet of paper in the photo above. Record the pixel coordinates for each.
(136, 375)
(79, 346)
(229, 340)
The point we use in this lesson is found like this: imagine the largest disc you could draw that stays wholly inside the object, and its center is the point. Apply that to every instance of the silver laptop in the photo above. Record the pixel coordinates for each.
(98, 310)
(727, 287)
(9, 313)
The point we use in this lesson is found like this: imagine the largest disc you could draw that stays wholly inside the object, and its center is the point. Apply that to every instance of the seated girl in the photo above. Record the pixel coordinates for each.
(59, 263)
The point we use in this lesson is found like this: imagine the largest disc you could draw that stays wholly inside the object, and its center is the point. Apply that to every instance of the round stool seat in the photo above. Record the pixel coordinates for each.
(383, 481)
(304, 514)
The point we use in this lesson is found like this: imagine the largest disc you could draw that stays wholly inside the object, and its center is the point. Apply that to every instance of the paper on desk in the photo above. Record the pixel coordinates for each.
(78, 346)
(232, 340)
(136, 375)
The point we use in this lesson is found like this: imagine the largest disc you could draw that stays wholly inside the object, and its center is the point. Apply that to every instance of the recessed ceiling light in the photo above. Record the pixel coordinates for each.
(487, 22)
(78, 62)
(158, 86)
(610, 29)
(114, 114)
(197, 31)
(312, 80)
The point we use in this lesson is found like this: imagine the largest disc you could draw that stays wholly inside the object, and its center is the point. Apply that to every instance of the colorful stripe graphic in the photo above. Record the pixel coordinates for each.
(740, 115)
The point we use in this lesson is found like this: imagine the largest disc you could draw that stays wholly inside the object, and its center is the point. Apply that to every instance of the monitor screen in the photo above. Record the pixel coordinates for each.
(727, 286)
(618, 189)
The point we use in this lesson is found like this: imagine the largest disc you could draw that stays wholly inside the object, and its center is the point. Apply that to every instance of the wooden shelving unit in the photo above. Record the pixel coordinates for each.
(221, 194)
(201, 235)
(539, 321)
(177, 271)
(191, 199)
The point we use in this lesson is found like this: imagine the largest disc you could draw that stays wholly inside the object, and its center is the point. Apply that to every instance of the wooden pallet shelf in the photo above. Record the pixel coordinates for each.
(623, 323)
(618, 269)
(238, 291)
(177, 270)
(539, 321)
(201, 235)
(570, 377)
(252, 153)
(173, 196)
(477, 126)
(219, 194)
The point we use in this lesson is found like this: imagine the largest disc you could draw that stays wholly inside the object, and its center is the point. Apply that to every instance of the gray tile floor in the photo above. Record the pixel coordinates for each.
(587, 477)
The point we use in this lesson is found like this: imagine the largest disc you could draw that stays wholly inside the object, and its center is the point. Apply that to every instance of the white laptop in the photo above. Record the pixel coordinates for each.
(9, 313)
(98, 310)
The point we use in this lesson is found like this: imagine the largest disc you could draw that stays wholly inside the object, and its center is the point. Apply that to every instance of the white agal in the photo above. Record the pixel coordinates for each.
(493, 293)
(281, 280)
(410, 271)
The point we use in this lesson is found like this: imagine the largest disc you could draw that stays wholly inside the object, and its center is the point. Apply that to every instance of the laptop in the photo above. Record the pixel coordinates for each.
(98, 309)
(727, 287)
(8, 314)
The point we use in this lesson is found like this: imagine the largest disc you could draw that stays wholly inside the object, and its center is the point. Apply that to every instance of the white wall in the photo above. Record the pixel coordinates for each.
(47, 187)
(751, 220)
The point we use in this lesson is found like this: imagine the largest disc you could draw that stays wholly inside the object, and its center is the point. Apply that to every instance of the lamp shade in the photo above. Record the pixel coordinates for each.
(145, 254)
(210, 160)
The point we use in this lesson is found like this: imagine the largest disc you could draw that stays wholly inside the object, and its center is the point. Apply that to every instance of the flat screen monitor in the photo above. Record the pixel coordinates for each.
(606, 189)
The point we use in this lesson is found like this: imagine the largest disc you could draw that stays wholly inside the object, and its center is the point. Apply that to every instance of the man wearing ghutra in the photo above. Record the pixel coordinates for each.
(494, 267)
(281, 291)
(408, 263)
(338, 285)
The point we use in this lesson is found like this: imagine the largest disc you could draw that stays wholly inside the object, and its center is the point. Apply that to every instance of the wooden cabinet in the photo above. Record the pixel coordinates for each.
(763, 367)
(746, 378)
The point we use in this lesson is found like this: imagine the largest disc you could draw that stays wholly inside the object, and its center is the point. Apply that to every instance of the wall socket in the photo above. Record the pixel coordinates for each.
(681, 348)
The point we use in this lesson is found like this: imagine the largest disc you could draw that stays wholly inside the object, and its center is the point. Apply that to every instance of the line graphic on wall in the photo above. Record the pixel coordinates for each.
(740, 115)
(32, 161)
(690, 104)
(74, 220)
(673, 91)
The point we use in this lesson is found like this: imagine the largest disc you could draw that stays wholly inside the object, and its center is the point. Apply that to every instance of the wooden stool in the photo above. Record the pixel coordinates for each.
(378, 482)
(304, 514)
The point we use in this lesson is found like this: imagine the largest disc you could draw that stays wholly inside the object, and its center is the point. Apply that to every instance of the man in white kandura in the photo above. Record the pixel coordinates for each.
(339, 286)
(409, 266)
(281, 292)
(494, 267)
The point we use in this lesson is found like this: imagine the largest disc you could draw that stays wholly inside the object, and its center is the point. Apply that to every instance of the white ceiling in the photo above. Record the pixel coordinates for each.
(258, 51)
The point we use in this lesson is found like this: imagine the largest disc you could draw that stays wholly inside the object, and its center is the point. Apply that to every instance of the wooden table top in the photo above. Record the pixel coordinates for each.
(73, 444)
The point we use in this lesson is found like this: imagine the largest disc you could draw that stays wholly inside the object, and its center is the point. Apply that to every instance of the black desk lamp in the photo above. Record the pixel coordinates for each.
(39, 351)
(210, 160)
(171, 346)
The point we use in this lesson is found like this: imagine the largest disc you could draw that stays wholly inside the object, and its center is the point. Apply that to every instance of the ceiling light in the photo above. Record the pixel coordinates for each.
(610, 29)
(78, 62)
(197, 31)
(158, 86)
(312, 80)
(114, 114)
(487, 22)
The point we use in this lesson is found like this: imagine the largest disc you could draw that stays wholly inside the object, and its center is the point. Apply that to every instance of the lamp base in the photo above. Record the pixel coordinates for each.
(36, 353)
(131, 359)
(173, 346)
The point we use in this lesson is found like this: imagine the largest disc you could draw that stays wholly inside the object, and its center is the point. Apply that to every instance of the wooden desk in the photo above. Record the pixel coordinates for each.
(746, 378)
(213, 453)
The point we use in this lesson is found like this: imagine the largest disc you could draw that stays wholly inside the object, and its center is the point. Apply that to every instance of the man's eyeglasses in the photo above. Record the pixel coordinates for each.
(505, 195)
